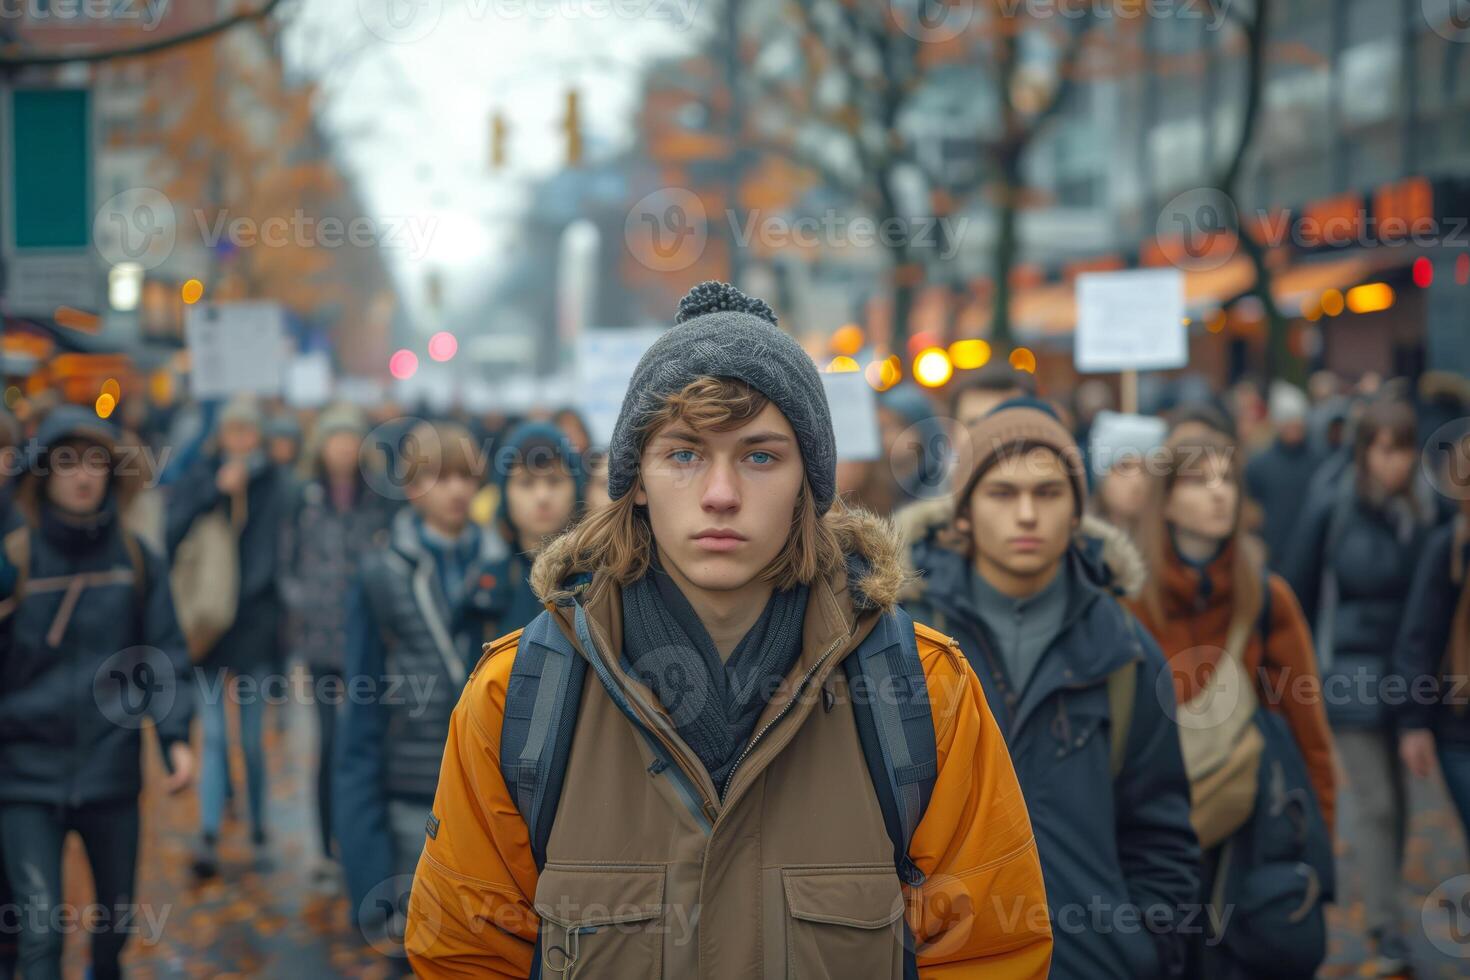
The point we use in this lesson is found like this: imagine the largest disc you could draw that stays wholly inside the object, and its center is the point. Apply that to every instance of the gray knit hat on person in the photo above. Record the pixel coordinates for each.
(722, 333)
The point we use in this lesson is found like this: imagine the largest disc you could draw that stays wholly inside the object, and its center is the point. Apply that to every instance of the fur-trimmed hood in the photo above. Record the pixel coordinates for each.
(1112, 560)
(876, 565)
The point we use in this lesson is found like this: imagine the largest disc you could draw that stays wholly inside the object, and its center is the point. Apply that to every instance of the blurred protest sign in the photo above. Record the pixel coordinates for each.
(854, 411)
(605, 362)
(1117, 436)
(234, 348)
(1130, 321)
(309, 380)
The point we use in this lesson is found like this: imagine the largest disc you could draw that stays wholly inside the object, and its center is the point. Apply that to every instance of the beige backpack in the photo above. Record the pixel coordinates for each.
(205, 579)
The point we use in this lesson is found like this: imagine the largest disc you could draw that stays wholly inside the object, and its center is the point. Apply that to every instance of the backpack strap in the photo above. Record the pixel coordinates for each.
(17, 548)
(541, 703)
(1122, 691)
(140, 567)
(895, 723)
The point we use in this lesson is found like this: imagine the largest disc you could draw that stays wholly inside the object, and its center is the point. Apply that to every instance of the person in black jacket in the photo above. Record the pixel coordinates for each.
(1350, 564)
(419, 613)
(1433, 658)
(89, 648)
(1275, 477)
(1029, 591)
(235, 475)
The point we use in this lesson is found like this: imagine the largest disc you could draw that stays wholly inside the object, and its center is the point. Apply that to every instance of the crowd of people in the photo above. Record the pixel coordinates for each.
(1045, 689)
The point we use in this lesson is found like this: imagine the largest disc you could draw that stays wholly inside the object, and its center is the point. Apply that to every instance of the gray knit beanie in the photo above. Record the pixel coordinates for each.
(722, 333)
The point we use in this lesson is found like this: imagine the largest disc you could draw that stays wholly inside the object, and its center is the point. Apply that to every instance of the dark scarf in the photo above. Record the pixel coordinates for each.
(74, 535)
(714, 704)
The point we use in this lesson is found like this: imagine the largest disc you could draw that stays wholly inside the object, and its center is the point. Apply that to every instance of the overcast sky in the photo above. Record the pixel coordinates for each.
(408, 88)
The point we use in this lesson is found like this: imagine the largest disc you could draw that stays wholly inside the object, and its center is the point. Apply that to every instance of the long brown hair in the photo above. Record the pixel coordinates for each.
(618, 540)
(1396, 417)
(1186, 453)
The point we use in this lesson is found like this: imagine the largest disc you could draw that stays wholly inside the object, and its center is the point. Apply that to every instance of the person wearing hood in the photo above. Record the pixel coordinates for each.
(1350, 564)
(82, 599)
(417, 616)
(1275, 476)
(1209, 596)
(337, 516)
(541, 484)
(1029, 588)
(235, 477)
(704, 803)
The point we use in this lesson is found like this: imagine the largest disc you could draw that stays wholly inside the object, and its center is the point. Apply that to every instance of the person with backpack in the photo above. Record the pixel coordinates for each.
(1028, 588)
(1350, 564)
(336, 518)
(1432, 656)
(722, 751)
(1222, 619)
(89, 650)
(419, 612)
(234, 483)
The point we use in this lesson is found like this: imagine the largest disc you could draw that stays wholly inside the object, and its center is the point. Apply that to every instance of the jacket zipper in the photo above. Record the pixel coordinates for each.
(725, 791)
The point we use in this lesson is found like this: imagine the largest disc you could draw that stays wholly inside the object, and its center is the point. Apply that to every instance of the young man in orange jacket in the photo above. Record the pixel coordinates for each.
(674, 771)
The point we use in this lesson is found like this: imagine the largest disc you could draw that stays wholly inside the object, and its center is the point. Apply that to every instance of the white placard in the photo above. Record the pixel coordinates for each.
(1116, 435)
(235, 348)
(309, 380)
(1130, 321)
(37, 283)
(605, 362)
(854, 410)
(362, 392)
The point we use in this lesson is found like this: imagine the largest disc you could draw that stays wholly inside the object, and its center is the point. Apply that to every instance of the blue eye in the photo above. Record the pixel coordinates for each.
(682, 455)
(761, 458)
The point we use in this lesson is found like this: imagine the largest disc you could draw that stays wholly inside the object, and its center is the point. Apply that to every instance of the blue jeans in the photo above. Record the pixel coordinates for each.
(1454, 762)
(215, 691)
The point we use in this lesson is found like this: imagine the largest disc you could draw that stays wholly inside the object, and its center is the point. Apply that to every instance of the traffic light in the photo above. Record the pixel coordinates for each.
(499, 131)
(573, 126)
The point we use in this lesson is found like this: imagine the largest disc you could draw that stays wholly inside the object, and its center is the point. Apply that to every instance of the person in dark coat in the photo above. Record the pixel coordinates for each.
(1350, 564)
(236, 475)
(1276, 476)
(418, 615)
(1432, 658)
(337, 517)
(541, 482)
(89, 649)
(1028, 588)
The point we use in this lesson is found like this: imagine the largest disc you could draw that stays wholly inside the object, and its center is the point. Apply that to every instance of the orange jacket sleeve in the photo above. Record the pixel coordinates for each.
(982, 908)
(470, 912)
(1293, 686)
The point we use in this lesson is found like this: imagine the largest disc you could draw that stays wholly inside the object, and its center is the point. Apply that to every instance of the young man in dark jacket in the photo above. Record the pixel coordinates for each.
(1278, 475)
(89, 648)
(1028, 590)
(236, 476)
(418, 615)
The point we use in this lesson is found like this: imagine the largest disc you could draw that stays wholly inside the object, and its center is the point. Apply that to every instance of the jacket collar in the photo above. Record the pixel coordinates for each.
(406, 538)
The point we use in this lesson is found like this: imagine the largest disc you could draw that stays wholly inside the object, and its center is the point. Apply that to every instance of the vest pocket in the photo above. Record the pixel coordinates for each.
(844, 923)
(601, 920)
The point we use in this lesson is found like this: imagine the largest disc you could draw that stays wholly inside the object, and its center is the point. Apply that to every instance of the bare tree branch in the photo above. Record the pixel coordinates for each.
(148, 47)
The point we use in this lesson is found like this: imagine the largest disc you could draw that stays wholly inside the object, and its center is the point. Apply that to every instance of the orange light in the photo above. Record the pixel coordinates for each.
(932, 368)
(884, 374)
(969, 354)
(192, 291)
(842, 365)
(1311, 309)
(848, 340)
(1374, 297)
(922, 341)
(105, 404)
(1332, 302)
(111, 387)
(1022, 359)
(1217, 322)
